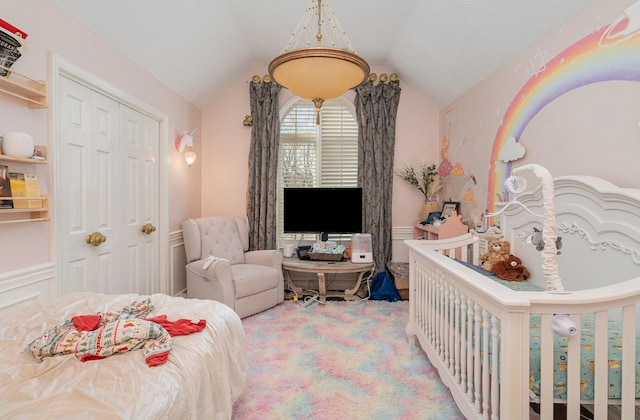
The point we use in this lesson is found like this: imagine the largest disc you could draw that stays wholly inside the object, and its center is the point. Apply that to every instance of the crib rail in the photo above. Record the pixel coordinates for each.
(476, 333)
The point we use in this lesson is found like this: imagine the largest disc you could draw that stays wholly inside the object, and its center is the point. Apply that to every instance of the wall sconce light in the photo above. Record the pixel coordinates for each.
(185, 141)
(190, 156)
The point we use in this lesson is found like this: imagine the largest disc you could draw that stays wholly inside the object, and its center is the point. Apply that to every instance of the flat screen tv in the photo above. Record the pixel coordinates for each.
(323, 210)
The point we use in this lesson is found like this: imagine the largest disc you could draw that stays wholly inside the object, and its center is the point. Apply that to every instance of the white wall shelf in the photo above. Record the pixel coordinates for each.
(24, 87)
(40, 214)
(41, 151)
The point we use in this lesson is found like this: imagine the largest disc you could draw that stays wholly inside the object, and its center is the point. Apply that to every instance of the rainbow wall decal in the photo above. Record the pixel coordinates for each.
(611, 53)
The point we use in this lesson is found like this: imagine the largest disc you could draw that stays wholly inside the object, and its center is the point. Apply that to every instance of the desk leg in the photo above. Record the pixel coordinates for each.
(350, 294)
(322, 288)
(297, 290)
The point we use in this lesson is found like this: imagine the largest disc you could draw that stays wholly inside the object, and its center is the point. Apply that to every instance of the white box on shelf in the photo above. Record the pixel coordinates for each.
(361, 248)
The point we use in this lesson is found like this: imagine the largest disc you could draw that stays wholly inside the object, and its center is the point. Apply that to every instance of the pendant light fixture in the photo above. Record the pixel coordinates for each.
(321, 72)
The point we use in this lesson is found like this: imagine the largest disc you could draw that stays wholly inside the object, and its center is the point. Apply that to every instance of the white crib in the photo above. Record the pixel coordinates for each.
(476, 331)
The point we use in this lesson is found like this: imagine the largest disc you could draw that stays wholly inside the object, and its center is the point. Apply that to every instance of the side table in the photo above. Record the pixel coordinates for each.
(326, 267)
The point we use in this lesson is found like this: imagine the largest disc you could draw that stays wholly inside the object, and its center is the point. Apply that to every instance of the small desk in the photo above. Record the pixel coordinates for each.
(451, 228)
(325, 267)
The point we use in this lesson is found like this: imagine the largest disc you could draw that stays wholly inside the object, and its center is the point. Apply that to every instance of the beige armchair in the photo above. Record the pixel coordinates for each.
(219, 267)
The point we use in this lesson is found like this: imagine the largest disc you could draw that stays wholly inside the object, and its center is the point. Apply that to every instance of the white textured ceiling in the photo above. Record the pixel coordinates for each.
(439, 48)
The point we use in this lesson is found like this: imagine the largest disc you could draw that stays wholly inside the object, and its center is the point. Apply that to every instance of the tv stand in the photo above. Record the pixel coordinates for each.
(326, 267)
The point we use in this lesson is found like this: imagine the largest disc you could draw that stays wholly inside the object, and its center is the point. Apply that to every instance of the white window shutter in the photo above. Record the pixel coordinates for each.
(312, 155)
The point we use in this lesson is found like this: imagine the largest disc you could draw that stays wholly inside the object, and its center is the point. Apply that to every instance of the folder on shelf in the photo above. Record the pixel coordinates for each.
(25, 190)
(18, 190)
(33, 191)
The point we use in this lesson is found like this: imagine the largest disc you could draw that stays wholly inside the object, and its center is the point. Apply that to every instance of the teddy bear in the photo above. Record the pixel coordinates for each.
(511, 269)
(498, 251)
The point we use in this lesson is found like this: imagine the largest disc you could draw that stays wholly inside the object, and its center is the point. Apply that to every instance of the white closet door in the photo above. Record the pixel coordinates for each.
(88, 132)
(139, 200)
(107, 185)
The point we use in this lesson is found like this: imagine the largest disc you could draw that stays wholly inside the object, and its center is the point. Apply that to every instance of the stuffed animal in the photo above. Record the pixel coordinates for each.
(493, 233)
(511, 269)
(498, 251)
(536, 239)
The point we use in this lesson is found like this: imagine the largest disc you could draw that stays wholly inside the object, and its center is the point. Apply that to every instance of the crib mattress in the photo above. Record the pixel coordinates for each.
(587, 354)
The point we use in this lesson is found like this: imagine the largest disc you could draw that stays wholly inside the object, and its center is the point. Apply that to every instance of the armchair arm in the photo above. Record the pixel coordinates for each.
(218, 282)
(268, 257)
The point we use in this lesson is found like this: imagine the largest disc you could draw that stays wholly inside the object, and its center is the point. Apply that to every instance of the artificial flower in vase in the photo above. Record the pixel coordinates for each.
(428, 182)
(430, 205)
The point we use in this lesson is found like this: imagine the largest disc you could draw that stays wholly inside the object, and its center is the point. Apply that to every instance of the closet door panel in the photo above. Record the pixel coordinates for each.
(140, 148)
(88, 131)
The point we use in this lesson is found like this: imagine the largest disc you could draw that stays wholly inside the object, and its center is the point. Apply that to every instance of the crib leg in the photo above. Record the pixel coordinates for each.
(411, 335)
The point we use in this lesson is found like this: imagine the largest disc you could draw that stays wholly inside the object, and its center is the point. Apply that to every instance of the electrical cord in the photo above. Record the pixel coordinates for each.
(313, 297)
(306, 300)
(366, 281)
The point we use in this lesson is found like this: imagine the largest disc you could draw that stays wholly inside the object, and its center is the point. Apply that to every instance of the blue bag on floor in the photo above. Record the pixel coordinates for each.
(383, 288)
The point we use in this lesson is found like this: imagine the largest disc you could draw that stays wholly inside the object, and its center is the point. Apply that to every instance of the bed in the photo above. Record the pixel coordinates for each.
(205, 372)
(492, 340)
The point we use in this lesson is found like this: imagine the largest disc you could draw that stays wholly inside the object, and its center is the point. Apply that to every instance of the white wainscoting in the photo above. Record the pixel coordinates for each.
(37, 282)
(399, 250)
(27, 285)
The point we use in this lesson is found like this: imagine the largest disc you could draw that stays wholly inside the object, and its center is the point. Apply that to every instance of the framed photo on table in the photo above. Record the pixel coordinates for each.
(449, 207)
(433, 216)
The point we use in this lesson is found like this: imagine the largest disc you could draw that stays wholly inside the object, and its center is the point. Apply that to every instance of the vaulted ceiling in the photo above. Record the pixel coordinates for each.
(439, 48)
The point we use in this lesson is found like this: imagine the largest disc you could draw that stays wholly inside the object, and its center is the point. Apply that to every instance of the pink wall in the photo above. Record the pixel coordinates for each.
(591, 130)
(52, 31)
(225, 152)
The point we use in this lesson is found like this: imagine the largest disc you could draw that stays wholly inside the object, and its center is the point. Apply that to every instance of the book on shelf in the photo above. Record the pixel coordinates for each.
(26, 191)
(33, 190)
(18, 190)
(5, 188)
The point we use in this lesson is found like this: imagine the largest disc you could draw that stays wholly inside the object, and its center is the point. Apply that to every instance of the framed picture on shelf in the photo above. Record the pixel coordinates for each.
(433, 216)
(449, 207)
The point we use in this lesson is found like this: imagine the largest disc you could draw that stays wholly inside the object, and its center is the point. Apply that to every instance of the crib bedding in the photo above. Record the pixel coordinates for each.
(204, 374)
(587, 356)
(587, 353)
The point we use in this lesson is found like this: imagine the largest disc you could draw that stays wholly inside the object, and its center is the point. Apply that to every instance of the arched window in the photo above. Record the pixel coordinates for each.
(312, 155)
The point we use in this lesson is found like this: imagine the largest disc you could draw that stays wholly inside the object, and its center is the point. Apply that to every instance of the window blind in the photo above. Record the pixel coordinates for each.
(311, 155)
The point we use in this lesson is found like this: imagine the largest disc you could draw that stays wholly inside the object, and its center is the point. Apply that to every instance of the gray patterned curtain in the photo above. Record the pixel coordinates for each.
(263, 164)
(376, 109)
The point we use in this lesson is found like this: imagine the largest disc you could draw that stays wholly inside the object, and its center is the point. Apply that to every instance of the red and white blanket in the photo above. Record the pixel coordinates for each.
(96, 336)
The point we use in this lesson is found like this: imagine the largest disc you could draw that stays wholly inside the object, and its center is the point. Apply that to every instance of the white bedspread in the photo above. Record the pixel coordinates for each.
(206, 372)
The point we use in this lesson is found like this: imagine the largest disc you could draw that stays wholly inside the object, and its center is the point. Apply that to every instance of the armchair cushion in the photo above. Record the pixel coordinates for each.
(251, 279)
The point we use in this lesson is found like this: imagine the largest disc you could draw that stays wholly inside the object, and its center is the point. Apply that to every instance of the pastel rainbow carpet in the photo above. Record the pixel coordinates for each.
(342, 360)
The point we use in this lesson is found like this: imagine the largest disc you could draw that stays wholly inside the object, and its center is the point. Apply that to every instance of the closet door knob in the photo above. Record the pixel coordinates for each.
(96, 239)
(147, 228)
